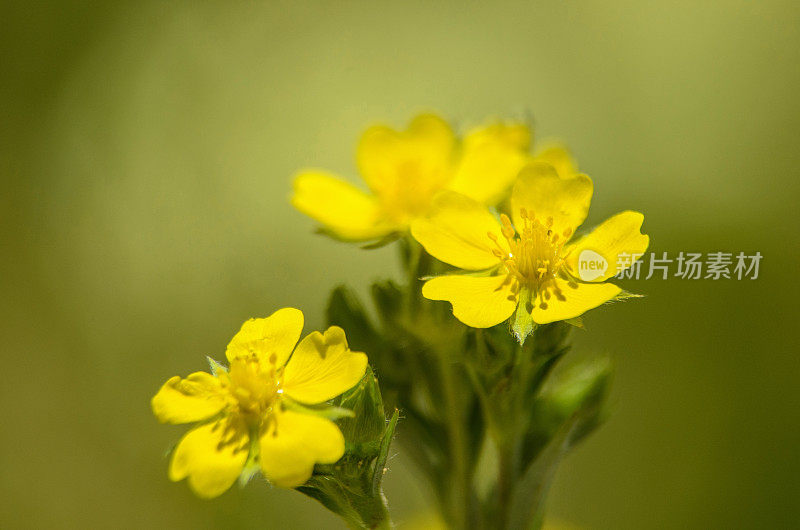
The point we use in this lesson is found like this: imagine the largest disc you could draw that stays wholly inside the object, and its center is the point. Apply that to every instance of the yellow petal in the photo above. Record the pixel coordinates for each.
(196, 398)
(557, 155)
(293, 442)
(322, 367)
(406, 168)
(571, 299)
(340, 207)
(456, 232)
(491, 159)
(270, 339)
(617, 235)
(544, 194)
(480, 302)
(212, 456)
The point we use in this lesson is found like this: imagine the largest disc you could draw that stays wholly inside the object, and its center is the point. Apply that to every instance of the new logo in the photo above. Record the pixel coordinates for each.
(591, 265)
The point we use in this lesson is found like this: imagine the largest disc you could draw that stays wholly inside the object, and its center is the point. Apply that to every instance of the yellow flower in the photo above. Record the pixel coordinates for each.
(532, 262)
(405, 169)
(255, 408)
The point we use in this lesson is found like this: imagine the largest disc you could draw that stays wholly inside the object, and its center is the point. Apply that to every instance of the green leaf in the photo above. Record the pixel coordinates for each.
(388, 300)
(345, 310)
(531, 490)
(563, 415)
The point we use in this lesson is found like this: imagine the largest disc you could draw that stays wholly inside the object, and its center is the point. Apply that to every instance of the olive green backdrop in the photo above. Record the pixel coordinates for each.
(146, 152)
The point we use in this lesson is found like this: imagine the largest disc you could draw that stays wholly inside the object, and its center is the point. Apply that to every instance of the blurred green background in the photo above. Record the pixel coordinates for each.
(146, 151)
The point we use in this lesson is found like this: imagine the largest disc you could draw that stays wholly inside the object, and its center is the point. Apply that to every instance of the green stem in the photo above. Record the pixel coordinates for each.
(460, 485)
(413, 263)
(456, 496)
(505, 483)
(384, 522)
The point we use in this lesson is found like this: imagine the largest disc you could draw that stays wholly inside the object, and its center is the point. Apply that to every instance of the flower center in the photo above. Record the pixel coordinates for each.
(254, 386)
(409, 192)
(535, 251)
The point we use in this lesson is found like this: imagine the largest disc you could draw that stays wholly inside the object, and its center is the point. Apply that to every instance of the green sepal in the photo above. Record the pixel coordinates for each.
(380, 464)
(366, 422)
(473, 274)
(382, 242)
(625, 295)
(216, 367)
(576, 322)
(322, 410)
(251, 465)
(377, 243)
(351, 487)
(522, 323)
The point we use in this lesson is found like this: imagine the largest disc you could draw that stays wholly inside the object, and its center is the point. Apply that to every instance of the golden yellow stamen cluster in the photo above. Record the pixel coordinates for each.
(534, 256)
(254, 386)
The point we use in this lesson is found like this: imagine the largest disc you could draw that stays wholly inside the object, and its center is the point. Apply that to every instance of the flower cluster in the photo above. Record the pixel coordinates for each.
(490, 227)
(522, 261)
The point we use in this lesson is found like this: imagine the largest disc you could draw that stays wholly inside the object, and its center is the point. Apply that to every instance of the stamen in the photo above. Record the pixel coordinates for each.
(532, 257)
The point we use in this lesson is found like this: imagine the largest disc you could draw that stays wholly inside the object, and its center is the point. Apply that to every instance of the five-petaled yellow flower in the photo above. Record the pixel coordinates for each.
(249, 409)
(405, 169)
(531, 259)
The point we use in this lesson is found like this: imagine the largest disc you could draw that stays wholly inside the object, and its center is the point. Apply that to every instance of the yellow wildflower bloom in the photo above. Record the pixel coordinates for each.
(253, 409)
(405, 169)
(532, 261)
